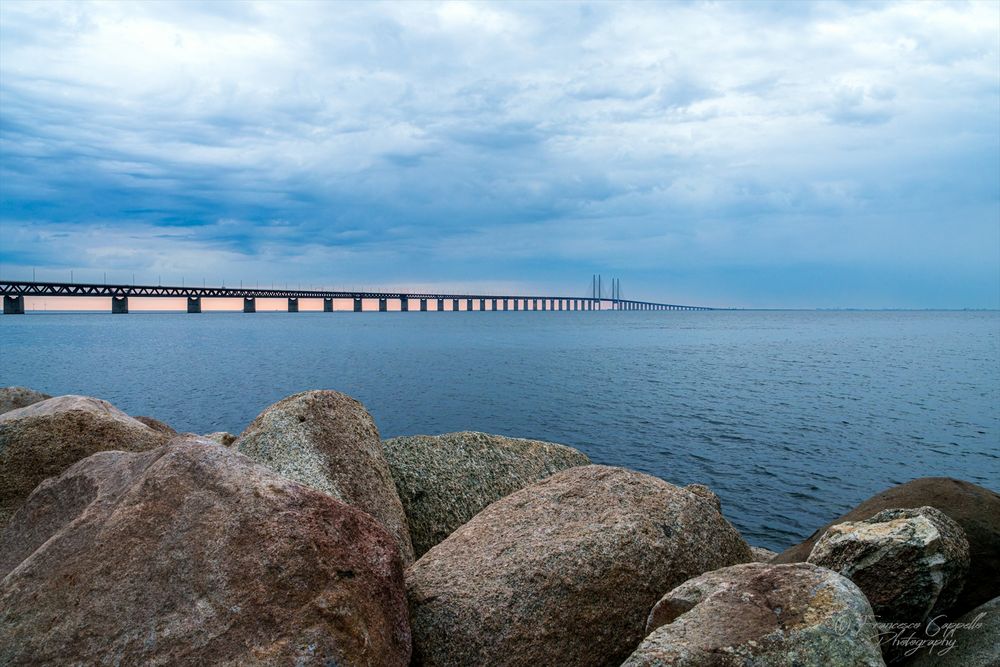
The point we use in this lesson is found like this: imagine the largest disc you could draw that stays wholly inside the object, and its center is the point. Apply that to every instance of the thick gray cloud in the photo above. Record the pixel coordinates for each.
(732, 153)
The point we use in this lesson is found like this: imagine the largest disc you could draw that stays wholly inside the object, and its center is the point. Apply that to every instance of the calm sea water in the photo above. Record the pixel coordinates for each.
(791, 417)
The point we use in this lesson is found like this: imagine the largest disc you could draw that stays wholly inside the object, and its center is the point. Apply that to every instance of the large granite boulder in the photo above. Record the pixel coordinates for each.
(972, 640)
(192, 554)
(12, 398)
(328, 441)
(445, 480)
(908, 562)
(563, 572)
(974, 508)
(764, 615)
(43, 439)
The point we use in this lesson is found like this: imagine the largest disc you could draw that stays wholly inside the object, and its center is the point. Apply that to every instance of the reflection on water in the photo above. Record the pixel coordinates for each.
(791, 417)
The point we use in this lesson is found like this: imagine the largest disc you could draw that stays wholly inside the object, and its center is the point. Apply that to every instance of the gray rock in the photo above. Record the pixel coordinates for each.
(45, 438)
(12, 398)
(222, 437)
(445, 480)
(328, 441)
(762, 555)
(563, 572)
(762, 615)
(975, 508)
(975, 637)
(910, 563)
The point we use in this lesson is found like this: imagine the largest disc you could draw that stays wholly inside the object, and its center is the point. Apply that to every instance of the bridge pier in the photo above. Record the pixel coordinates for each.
(482, 304)
(506, 304)
(327, 304)
(404, 304)
(494, 305)
(13, 305)
(358, 306)
(468, 304)
(517, 302)
(423, 305)
(534, 304)
(293, 304)
(440, 305)
(249, 305)
(544, 301)
(194, 304)
(119, 305)
(383, 305)
(454, 305)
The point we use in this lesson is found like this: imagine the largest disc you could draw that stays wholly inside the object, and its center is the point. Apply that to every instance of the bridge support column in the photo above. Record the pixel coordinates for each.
(506, 304)
(194, 304)
(327, 304)
(293, 304)
(249, 305)
(13, 305)
(534, 304)
(404, 304)
(543, 303)
(517, 303)
(423, 305)
(454, 305)
(119, 305)
(482, 304)
(468, 304)
(383, 305)
(494, 304)
(440, 305)
(358, 305)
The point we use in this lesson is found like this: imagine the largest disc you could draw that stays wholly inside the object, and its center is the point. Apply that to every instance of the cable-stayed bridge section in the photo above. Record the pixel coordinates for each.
(14, 293)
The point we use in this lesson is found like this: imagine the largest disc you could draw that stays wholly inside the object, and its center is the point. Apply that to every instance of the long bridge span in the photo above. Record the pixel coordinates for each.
(14, 293)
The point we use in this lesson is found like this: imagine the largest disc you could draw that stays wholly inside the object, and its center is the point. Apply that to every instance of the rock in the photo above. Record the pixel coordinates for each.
(762, 555)
(156, 425)
(974, 508)
(764, 615)
(328, 441)
(43, 439)
(192, 554)
(975, 637)
(445, 480)
(563, 572)
(221, 437)
(12, 398)
(908, 562)
(708, 494)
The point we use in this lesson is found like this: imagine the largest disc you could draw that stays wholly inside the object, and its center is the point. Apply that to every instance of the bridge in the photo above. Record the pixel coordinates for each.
(14, 293)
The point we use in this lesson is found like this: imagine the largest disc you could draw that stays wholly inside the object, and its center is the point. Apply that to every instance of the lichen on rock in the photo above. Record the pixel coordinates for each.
(445, 480)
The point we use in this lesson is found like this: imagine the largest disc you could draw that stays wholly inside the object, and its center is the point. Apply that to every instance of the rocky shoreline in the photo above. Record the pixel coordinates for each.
(308, 539)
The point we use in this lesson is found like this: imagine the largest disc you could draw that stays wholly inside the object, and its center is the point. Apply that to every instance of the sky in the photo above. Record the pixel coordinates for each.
(755, 154)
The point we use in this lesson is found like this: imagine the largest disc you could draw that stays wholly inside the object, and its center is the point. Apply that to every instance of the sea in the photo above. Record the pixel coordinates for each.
(791, 417)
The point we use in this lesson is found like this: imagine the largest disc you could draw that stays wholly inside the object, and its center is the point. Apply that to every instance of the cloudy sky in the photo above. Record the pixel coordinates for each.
(724, 153)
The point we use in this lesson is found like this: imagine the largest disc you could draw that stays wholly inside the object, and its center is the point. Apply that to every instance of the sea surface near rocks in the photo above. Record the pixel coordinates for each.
(792, 417)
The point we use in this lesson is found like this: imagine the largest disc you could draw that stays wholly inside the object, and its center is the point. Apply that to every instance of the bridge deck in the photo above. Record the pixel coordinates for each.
(16, 289)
